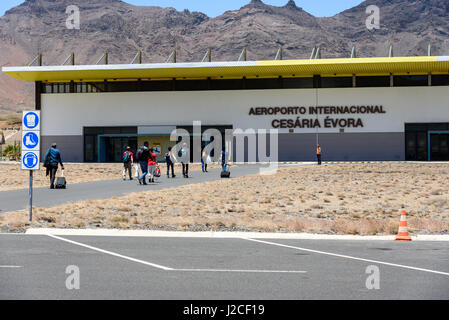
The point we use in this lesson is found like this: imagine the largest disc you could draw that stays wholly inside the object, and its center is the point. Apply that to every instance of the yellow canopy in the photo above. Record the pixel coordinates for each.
(249, 69)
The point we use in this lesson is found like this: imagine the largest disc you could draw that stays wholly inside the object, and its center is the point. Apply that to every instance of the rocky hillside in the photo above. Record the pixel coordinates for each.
(122, 29)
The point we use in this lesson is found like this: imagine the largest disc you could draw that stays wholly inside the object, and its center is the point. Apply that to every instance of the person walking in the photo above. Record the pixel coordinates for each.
(152, 165)
(318, 154)
(204, 159)
(142, 155)
(170, 161)
(224, 159)
(51, 161)
(185, 160)
(128, 163)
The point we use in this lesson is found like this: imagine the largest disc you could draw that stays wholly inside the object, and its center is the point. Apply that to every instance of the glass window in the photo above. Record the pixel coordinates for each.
(422, 146)
(363, 82)
(293, 83)
(275, 83)
(191, 85)
(437, 126)
(337, 82)
(228, 84)
(157, 85)
(410, 144)
(415, 127)
(411, 81)
(440, 80)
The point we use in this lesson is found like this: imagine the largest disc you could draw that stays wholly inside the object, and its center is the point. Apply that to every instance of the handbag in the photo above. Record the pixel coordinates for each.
(157, 172)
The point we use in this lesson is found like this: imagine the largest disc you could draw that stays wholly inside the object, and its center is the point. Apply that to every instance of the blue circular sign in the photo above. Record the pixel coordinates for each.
(30, 160)
(31, 120)
(30, 140)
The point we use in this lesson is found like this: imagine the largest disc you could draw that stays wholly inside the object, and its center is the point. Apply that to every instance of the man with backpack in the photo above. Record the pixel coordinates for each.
(170, 161)
(51, 161)
(142, 155)
(128, 162)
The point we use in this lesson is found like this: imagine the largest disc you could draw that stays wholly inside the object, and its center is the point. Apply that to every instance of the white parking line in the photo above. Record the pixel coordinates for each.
(237, 271)
(11, 267)
(348, 257)
(112, 253)
(167, 268)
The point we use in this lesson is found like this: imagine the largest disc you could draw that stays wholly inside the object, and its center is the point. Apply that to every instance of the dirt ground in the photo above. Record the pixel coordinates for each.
(13, 178)
(348, 198)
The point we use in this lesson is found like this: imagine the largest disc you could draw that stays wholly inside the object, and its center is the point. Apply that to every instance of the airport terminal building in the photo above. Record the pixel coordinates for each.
(393, 108)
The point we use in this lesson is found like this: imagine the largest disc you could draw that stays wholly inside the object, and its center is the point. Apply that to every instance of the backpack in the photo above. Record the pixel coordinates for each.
(139, 154)
(167, 158)
(126, 157)
(157, 172)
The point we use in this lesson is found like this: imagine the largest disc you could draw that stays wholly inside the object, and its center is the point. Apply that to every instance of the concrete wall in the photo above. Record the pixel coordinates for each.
(343, 146)
(380, 138)
(71, 147)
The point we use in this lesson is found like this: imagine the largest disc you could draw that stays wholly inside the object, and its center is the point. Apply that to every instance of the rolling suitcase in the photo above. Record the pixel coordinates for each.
(226, 174)
(61, 182)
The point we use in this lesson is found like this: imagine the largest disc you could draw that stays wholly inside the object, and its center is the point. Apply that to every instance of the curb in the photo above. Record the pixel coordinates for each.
(221, 235)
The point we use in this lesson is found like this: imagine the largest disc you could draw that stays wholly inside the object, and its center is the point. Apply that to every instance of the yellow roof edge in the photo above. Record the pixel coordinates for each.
(233, 70)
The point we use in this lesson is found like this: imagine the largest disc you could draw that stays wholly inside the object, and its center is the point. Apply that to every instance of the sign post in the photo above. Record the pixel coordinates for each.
(31, 141)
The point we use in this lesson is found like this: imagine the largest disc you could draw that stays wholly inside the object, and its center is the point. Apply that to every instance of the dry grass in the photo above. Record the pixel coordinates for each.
(13, 178)
(339, 199)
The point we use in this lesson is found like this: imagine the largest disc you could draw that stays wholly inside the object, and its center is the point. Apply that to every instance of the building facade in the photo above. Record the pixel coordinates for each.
(356, 109)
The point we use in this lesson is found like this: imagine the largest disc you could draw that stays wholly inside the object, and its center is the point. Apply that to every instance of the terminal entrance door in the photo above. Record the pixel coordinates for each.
(427, 141)
(112, 148)
(439, 146)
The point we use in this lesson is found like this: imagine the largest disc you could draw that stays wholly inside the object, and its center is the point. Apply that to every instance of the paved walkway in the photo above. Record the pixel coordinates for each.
(17, 200)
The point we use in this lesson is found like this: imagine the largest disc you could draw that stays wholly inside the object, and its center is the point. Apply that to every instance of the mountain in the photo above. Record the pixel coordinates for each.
(122, 29)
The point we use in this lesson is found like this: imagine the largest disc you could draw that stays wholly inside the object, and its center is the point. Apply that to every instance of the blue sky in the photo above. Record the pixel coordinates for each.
(320, 8)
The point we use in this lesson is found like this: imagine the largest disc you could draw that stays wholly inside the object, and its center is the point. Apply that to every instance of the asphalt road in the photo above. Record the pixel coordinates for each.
(34, 267)
(17, 200)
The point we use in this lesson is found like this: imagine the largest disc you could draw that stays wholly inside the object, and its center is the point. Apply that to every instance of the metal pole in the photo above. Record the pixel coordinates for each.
(31, 196)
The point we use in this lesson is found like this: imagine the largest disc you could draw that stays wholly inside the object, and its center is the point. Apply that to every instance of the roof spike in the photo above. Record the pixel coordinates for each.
(318, 53)
(390, 52)
(312, 56)
(208, 56)
(70, 58)
(105, 57)
(37, 58)
(138, 58)
(172, 57)
(353, 52)
(242, 56)
(429, 50)
(279, 54)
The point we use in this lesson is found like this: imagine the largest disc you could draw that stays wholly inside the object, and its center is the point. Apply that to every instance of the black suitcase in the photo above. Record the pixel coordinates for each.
(61, 183)
(226, 174)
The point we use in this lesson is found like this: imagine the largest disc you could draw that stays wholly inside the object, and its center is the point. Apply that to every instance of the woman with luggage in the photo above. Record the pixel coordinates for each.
(152, 165)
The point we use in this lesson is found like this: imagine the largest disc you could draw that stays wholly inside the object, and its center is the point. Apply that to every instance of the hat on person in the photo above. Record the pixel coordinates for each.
(54, 145)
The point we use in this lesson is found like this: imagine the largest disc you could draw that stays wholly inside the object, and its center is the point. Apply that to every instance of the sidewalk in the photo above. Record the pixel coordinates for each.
(17, 200)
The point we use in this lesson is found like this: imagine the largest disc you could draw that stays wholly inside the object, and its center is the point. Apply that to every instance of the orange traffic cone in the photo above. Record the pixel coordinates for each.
(403, 229)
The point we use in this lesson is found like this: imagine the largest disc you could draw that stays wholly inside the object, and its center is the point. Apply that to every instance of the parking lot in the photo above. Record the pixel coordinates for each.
(41, 267)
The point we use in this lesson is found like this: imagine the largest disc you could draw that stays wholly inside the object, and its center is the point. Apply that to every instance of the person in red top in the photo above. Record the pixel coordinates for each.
(318, 154)
(152, 164)
(128, 162)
